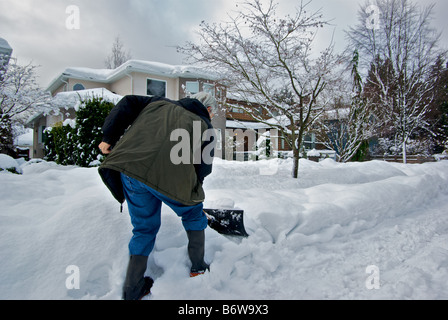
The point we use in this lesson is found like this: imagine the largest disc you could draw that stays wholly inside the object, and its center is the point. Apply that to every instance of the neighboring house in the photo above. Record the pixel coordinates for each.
(134, 77)
(244, 135)
(253, 131)
(242, 124)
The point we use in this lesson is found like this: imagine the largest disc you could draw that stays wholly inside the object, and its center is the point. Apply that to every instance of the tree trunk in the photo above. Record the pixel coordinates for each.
(404, 151)
(295, 162)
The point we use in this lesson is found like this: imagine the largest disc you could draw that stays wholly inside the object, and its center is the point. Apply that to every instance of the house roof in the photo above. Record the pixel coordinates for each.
(245, 125)
(150, 67)
(72, 100)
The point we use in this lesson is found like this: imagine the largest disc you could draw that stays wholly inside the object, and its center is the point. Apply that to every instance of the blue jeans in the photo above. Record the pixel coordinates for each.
(145, 205)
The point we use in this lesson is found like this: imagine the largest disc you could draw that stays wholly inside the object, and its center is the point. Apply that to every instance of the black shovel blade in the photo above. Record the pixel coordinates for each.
(227, 221)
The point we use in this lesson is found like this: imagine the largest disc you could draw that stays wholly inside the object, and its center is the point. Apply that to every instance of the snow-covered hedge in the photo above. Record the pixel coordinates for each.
(8, 163)
(76, 142)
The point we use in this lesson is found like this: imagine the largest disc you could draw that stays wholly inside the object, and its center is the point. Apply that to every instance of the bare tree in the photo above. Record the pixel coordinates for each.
(268, 60)
(399, 51)
(118, 56)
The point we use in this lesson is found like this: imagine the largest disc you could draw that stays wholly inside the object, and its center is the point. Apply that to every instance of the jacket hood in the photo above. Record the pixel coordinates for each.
(196, 107)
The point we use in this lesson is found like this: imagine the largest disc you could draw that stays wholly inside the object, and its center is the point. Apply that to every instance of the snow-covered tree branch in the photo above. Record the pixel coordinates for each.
(350, 122)
(20, 98)
(268, 60)
(399, 54)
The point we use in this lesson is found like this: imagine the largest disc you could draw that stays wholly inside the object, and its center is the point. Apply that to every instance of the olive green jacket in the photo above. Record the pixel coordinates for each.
(147, 153)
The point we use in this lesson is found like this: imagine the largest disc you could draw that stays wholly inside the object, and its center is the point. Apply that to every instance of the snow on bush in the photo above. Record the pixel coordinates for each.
(8, 163)
(75, 142)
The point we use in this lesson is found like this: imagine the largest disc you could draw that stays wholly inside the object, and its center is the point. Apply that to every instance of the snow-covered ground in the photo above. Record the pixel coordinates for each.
(372, 230)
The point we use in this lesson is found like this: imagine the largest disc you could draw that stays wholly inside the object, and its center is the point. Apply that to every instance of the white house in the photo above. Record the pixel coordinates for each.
(135, 77)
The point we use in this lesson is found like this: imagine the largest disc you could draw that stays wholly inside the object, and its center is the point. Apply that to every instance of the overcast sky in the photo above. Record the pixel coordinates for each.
(150, 29)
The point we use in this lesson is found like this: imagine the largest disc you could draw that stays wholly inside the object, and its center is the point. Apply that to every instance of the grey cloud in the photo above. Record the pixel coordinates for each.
(150, 29)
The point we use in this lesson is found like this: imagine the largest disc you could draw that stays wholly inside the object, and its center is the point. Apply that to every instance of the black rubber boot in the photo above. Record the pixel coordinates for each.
(196, 249)
(136, 286)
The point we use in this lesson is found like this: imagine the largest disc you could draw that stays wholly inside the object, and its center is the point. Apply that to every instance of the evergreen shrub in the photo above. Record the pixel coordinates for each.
(77, 143)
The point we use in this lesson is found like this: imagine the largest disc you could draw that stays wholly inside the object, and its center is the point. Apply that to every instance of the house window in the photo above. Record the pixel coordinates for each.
(236, 110)
(156, 88)
(310, 141)
(78, 87)
(209, 88)
(192, 87)
(41, 134)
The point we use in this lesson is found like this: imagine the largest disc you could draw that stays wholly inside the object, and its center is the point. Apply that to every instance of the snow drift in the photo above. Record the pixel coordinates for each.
(311, 238)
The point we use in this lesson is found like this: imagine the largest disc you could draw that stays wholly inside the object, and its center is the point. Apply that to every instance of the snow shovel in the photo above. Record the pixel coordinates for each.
(227, 222)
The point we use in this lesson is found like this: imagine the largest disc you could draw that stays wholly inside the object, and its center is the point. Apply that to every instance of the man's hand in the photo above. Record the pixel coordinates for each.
(105, 147)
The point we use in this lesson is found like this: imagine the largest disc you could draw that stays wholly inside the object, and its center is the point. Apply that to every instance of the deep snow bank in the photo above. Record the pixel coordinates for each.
(310, 238)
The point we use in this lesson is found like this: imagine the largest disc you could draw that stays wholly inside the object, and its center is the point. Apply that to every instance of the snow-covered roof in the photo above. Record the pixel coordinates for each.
(149, 67)
(72, 99)
(281, 120)
(235, 124)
